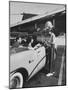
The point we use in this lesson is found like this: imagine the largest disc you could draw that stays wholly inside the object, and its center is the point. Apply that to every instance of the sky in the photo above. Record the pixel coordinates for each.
(16, 8)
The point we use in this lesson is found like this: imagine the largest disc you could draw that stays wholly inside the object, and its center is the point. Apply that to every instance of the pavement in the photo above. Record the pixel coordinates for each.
(41, 80)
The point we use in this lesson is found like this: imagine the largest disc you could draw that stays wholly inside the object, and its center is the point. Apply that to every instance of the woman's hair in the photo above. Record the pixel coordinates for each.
(17, 38)
(49, 25)
(29, 39)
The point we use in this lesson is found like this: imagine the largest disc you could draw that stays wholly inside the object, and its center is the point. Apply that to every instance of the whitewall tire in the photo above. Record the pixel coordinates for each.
(16, 80)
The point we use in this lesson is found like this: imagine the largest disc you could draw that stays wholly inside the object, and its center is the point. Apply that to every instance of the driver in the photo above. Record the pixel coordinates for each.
(18, 42)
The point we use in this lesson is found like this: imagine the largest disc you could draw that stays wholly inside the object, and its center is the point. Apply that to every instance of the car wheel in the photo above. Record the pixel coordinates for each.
(16, 80)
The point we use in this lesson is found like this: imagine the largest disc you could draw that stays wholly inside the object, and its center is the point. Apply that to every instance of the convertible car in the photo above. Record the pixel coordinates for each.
(25, 63)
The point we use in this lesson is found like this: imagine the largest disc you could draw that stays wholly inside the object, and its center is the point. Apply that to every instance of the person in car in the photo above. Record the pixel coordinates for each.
(30, 43)
(17, 42)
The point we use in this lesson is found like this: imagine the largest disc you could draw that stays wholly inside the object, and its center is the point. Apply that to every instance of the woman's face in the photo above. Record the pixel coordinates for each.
(32, 40)
(48, 25)
(19, 40)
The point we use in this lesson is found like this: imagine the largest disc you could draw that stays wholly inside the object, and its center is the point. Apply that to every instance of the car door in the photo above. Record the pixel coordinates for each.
(39, 60)
(33, 63)
(41, 57)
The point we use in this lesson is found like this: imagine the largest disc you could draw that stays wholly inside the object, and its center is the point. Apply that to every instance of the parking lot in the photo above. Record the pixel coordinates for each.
(40, 79)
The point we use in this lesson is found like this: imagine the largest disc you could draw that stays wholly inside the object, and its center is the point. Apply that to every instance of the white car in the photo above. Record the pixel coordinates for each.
(25, 63)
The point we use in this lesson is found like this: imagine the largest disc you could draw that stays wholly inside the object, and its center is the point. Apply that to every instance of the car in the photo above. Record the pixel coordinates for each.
(25, 62)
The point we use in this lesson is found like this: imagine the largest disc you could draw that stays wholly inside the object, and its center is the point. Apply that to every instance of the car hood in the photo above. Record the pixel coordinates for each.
(17, 50)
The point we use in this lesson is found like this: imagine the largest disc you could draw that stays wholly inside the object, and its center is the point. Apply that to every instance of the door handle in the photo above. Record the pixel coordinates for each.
(39, 51)
(30, 61)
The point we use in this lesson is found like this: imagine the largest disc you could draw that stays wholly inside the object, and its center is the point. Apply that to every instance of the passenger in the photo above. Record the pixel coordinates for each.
(17, 42)
(23, 42)
(30, 43)
(35, 42)
(50, 44)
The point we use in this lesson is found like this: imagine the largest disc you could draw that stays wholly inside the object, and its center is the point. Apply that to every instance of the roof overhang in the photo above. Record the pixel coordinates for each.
(38, 17)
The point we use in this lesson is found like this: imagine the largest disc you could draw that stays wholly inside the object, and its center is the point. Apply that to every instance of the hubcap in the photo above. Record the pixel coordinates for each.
(15, 82)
